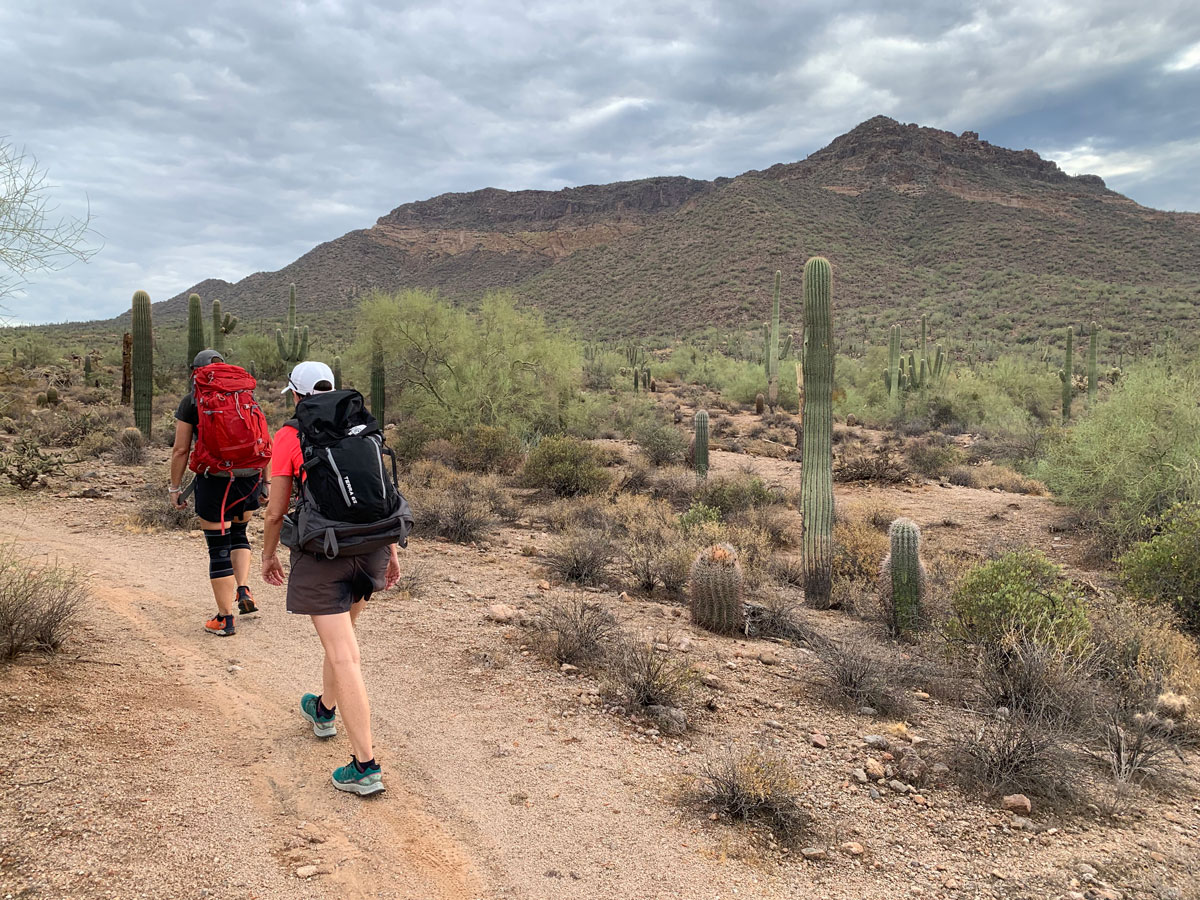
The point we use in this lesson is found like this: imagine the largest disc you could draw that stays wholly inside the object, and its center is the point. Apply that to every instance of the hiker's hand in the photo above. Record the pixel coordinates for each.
(177, 500)
(393, 572)
(272, 570)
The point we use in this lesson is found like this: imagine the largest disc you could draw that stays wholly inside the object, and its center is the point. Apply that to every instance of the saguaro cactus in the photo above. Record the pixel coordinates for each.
(892, 378)
(816, 488)
(378, 387)
(902, 578)
(296, 347)
(1067, 374)
(773, 350)
(142, 362)
(716, 590)
(337, 373)
(1093, 379)
(196, 341)
(700, 444)
(221, 326)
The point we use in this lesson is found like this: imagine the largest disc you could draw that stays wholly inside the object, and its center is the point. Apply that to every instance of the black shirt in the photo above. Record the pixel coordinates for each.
(187, 411)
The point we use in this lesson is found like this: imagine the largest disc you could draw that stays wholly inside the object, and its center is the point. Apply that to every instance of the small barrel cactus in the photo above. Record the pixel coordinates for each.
(52, 396)
(759, 401)
(700, 444)
(41, 401)
(902, 578)
(716, 590)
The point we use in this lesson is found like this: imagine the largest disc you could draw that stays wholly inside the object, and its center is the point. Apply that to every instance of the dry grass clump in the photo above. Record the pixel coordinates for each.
(876, 464)
(156, 512)
(777, 617)
(415, 576)
(755, 786)
(452, 514)
(1016, 754)
(1133, 749)
(1142, 654)
(858, 548)
(577, 631)
(39, 603)
(863, 678)
(675, 484)
(1036, 680)
(582, 555)
(987, 475)
(588, 511)
(641, 676)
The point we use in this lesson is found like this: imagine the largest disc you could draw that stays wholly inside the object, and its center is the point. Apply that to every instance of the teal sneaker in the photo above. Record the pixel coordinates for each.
(322, 727)
(364, 782)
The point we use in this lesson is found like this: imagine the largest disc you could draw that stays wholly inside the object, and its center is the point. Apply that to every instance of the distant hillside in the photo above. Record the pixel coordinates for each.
(993, 243)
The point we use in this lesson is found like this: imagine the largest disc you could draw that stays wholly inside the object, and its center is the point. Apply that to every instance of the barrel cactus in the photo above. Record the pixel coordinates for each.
(195, 332)
(700, 444)
(816, 488)
(758, 403)
(52, 397)
(716, 584)
(142, 362)
(902, 578)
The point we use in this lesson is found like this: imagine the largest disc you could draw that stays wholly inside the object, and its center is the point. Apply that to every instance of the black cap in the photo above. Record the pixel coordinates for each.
(204, 357)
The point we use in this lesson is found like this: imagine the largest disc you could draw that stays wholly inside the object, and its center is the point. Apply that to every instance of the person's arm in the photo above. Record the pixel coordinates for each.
(179, 458)
(281, 492)
(393, 568)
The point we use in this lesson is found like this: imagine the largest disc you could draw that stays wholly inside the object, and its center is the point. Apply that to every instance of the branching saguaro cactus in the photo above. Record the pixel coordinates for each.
(378, 387)
(715, 585)
(142, 362)
(773, 350)
(1066, 375)
(902, 579)
(700, 443)
(1093, 377)
(295, 348)
(816, 488)
(222, 326)
(337, 373)
(196, 341)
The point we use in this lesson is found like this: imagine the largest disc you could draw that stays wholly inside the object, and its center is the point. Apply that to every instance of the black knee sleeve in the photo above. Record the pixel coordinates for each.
(237, 536)
(219, 563)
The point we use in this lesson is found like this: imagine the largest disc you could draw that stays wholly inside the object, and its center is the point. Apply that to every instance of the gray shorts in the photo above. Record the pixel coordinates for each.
(323, 587)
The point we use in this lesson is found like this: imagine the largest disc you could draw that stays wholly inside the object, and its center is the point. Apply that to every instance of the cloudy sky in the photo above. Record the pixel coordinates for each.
(217, 139)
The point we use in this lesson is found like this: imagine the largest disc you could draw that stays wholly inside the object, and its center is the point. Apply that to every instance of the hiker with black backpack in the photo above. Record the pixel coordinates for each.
(232, 448)
(343, 532)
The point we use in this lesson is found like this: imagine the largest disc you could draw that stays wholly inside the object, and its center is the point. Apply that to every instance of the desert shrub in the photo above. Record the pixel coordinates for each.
(576, 631)
(1021, 593)
(1133, 748)
(96, 444)
(879, 516)
(407, 440)
(640, 675)
(697, 515)
(63, 428)
(1035, 680)
(671, 566)
(933, 456)
(854, 596)
(1132, 457)
(585, 511)
(1142, 654)
(858, 549)
(773, 616)
(990, 475)
(581, 555)
(788, 568)
(452, 514)
(877, 464)
(662, 444)
(964, 476)
(441, 451)
(156, 512)
(674, 484)
(779, 522)
(1008, 754)
(487, 448)
(566, 465)
(415, 576)
(1166, 568)
(24, 464)
(130, 448)
(39, 603)
(862, 677)
(754, 786)
(734, 493)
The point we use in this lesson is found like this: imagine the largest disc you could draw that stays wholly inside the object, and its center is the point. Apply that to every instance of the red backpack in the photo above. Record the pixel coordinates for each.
(233, 434)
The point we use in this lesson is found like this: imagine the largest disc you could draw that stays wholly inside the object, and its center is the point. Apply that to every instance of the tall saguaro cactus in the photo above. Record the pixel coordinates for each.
(196, 341)
(902, 578)
(221, 326)
(1093, 379)
(773, 350)
(700, 444)
(378, 386)
(1067, 374)
(892, 377)
(295, 349)
(142, 362)
(816, 487)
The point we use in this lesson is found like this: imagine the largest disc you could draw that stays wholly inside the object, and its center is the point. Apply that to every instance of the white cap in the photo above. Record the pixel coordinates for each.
(305, 376)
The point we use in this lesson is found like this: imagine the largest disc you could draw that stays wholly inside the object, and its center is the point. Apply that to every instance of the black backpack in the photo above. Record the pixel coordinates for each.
(348, 503)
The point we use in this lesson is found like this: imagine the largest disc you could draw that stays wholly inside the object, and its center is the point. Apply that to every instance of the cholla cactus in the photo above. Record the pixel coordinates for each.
(716, 590)
(902, 578)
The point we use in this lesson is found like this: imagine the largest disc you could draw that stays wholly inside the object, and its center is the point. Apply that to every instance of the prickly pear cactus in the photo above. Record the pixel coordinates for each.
(716, 585)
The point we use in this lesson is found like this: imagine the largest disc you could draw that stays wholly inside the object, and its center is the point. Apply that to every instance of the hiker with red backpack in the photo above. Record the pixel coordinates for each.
(343, 531)
(232, 448)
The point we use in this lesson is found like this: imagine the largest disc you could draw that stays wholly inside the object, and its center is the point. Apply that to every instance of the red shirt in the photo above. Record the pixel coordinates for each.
(286, 457)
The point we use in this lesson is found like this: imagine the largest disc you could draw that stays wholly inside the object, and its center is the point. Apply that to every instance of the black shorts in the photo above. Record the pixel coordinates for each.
(242, 496)
(322, 587)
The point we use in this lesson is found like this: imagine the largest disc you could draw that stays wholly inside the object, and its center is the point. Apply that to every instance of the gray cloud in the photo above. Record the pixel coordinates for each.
(220, 139)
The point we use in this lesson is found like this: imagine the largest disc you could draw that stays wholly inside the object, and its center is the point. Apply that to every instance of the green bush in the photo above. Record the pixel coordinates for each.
(663, 444)
(1017, 596)
(1134, 456)
(1166, 568)
(734, 493)
(488, 448)
(566, 465)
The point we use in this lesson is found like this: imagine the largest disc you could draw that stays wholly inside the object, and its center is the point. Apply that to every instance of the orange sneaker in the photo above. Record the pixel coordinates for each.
(221, 626)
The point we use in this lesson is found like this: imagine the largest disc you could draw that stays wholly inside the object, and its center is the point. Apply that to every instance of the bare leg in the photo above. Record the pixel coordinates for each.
(342, 661)
(224, 589)
(329, 689)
